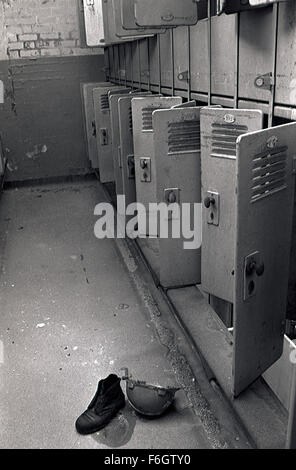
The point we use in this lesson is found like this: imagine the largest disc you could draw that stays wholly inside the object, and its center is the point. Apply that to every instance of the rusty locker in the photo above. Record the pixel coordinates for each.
(103, 131)
(94, 22)
(90, 121)
(219, 130)
(178, 180)
(265, 169)
(256, 54)
(165, 12)
(142, 109)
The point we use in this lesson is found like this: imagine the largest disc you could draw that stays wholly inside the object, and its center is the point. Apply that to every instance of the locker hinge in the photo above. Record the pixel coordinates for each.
(145, 165)
(265, 82)
(184, 76)
(131, 167)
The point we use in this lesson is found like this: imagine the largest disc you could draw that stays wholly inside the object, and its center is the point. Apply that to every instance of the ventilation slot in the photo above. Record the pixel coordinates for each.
(224, 137)
(147, 117)
(184, 136)
(104, 102)
(269, 173)
(130, 120)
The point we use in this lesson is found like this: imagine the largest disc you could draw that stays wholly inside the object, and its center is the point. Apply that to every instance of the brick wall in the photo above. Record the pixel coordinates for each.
(40, 28)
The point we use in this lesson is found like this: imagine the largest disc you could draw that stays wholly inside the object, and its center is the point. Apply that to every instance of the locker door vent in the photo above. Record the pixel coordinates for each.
(130, 120)
(184, 136)
(224, 137)
(147, 117)
(269, 173)
(104, 102)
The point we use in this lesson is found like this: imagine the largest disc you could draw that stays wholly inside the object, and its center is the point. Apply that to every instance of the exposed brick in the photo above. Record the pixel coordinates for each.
(34, 28)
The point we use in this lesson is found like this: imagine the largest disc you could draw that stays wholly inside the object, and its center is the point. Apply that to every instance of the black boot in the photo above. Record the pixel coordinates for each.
(108, 400)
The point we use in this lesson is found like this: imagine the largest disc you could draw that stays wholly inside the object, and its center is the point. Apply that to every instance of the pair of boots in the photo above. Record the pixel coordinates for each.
(105, 405)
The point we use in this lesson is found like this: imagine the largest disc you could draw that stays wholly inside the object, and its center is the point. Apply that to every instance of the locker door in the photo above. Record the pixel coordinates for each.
(128, 20)
(89, 120)
(154, 65)
(103, 132)
(223, 50)
(181, 57)
(117, 155)
(109, 24)
(144, 61)
(120, 32)
(264, 2)
(165, 12)
(135, 62)
(264, 212)
(178, 176)
(128, 62)
(199, 57)
(127, 149)
(142, 109)
(219, 131)
(285, 92)
(166, 59)
(94, 24)
(255, 52)
(234, 6)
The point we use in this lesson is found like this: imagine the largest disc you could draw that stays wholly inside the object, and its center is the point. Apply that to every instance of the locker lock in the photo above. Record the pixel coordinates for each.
(253, 266)
(265, 82)
(145, 165)
(209, 201)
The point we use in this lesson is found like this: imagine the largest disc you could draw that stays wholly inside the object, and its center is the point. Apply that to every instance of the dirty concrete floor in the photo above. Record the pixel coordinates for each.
(70, 316)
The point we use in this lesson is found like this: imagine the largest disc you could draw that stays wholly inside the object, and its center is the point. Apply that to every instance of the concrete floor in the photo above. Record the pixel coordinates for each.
(69, 317)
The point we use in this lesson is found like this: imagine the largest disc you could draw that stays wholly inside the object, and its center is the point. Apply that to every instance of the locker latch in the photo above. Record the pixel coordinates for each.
(265, 82)
(145, 165)
(172, 195)
(131, 167)
(212, 203)
(184, 76)
(253, 268)
(104, 136)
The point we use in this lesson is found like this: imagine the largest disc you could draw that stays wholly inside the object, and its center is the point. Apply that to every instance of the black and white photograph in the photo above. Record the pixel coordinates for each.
(148, 227)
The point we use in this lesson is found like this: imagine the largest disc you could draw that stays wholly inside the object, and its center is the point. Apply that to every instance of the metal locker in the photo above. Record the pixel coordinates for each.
(142, 109)
(154, 60)
(166, 62)
(128, 62)
(220, 129)
(90, 121)
(94, 23)
(199, 57)
(127, 148)
(144, 61)
(178, 179)
(110, 26)
(181, 57)
(224, 55)
(128, 20)
(256, 54)
(135, 61)
(120, 32)
(165, 12)
(265, 169)
(285, 92)
(103, 131)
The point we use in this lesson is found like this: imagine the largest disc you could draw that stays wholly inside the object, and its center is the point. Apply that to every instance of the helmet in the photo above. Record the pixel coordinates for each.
(148, 400)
